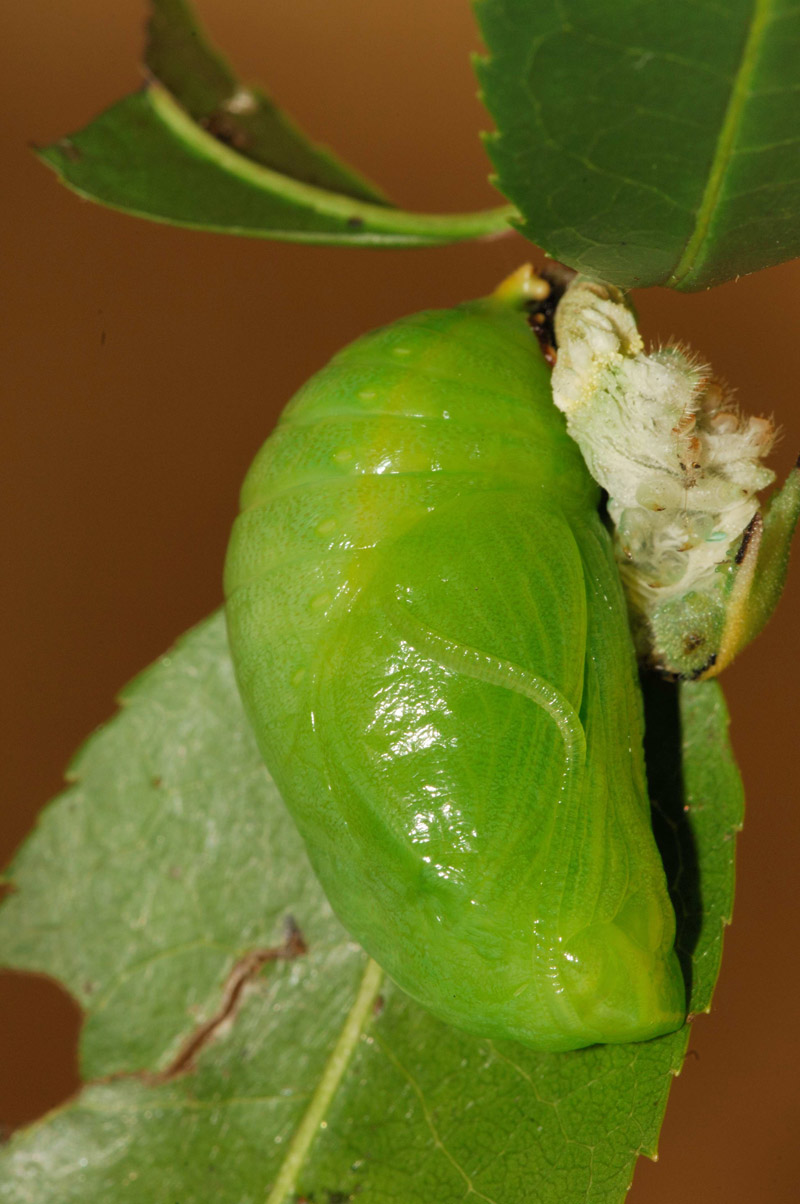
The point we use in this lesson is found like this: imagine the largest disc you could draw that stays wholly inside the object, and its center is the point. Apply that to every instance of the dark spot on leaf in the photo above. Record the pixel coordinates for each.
(69, 150)
(355, 223)
(155, 782)
(294, 944)
(225, 129)
(712, 660)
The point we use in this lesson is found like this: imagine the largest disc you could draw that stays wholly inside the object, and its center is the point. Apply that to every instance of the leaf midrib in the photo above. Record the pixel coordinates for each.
(762, 12)
(329, 1081)
(383, 219)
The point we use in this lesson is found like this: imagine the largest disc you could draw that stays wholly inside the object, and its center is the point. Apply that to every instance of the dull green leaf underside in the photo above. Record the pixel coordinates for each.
(648, 143)
(198, 148)
(165, 868)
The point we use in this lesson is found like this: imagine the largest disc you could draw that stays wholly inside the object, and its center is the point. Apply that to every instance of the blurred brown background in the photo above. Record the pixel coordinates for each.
(142, 367)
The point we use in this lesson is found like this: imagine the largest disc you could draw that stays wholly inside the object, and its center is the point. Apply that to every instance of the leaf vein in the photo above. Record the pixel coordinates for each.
(471, 1188)
(329, 1082)
(725, 151)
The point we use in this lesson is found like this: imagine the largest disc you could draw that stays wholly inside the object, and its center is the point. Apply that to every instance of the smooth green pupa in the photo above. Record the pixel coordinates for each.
(431, 641)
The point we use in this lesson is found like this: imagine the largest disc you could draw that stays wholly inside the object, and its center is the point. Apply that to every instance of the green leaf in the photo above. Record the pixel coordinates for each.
(199, 79)
(197, 148)
(229, 1059)
(649, 143)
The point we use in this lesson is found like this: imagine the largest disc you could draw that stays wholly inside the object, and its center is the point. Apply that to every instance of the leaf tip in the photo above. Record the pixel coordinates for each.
(59, 154)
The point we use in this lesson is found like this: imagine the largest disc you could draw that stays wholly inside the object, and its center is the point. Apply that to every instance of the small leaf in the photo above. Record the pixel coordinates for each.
(197, 148)
(237, 1061)
(649, 143)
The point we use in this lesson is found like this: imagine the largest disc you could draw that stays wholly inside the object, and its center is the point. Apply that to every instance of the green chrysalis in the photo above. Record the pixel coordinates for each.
(431, 640)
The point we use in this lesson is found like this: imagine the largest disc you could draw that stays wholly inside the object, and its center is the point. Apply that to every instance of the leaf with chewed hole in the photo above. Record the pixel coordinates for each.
(238, 1046)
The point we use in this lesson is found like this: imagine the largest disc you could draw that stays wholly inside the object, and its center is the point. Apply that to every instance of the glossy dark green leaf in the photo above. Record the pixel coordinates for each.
(198, 148)
(649, 143)
(226, 1062)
